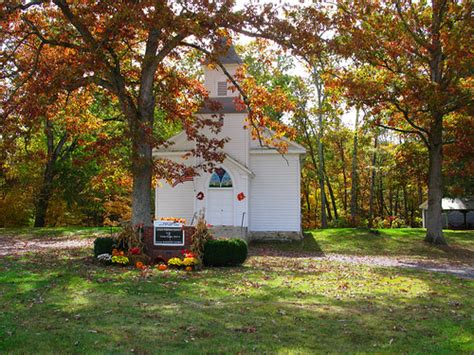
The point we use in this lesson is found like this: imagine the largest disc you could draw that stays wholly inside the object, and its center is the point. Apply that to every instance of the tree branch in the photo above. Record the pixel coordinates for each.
(418, 133)
(237, 86)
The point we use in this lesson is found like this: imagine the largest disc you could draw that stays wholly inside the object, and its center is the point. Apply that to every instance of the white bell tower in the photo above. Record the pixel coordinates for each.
(215, 81)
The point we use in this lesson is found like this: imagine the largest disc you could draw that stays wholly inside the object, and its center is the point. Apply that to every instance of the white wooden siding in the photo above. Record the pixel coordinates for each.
(213, 76)
(237, 147)
(175, 201)
(274, 193)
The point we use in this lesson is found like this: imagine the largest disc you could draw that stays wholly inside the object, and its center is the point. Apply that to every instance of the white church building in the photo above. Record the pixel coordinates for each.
(255, 191)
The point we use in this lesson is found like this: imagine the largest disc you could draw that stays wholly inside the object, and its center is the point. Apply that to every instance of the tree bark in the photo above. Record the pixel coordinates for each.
(46, 188)
(434, 227)
(328, 208)
(44, 195)
(381, 199)
(142, 160)
(344, 174)
(372, 180)
(355, 182)
(333, 198)
(324, 221)
(142, 168)
(306, 195)
(397, 202)
(312, 154)
(405, 204)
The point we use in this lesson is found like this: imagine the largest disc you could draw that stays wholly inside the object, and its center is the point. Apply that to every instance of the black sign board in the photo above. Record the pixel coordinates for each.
(168, 235)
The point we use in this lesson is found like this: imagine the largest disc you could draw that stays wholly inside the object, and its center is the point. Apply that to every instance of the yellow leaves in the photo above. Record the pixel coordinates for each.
(117, 209)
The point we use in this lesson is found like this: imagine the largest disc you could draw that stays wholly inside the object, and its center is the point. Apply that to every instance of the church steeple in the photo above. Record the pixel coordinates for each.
(217, 83)
(215, 80)
(230, 56)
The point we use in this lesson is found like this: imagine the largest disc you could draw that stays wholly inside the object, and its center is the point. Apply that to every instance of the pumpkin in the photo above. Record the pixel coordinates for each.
(162, 267)
(189, 268)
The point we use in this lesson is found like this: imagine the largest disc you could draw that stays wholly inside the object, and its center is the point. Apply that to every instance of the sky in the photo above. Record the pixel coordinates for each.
(348, 118)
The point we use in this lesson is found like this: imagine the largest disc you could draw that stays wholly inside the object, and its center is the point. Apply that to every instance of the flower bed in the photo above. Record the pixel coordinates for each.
(129, 249)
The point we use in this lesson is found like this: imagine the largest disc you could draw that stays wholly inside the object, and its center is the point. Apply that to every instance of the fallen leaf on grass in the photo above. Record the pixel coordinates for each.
(246, 330)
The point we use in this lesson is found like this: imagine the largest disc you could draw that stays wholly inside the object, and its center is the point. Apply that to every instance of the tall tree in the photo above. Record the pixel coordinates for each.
(418, 71)
(128, 50)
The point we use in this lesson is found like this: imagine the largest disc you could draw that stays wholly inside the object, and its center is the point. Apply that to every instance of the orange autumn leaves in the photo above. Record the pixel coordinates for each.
(259, 99)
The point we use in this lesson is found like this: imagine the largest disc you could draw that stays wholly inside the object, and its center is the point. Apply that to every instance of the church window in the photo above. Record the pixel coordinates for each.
(220, 179)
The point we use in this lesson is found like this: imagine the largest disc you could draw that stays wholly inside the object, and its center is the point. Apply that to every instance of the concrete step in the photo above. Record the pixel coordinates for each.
(229, 232)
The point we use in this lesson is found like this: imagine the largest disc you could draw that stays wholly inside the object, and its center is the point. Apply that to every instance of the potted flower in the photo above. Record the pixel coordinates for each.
(175, 263)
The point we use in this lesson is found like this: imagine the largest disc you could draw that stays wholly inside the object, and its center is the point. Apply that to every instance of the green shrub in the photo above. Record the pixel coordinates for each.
(225, 252)
(340, 222)
(103, 245)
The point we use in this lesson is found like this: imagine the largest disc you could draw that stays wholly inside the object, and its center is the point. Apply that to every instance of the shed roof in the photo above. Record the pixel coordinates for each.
(454, 204)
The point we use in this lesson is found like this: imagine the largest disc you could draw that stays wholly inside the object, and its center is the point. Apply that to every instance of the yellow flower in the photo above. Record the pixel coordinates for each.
(175, 262)
(189, 261)
(117, 259)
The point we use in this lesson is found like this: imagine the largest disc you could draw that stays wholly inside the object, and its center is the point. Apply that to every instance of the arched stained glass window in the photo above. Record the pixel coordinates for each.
(220, 178)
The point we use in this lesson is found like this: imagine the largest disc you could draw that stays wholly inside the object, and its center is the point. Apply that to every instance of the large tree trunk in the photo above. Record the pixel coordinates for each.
(142, 130)
(142, 161)
(46, 188)
(142, 170)
(434, 229)
(44, 196)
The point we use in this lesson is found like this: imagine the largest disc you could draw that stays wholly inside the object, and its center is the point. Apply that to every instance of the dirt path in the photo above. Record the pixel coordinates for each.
(459, 269)
(11, 245)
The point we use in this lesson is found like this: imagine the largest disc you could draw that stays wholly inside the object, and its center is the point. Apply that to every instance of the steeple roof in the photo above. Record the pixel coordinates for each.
(230, 56)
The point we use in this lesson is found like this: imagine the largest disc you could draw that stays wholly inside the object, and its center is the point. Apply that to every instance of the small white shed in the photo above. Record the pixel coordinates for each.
(255, 192)
(458, 213)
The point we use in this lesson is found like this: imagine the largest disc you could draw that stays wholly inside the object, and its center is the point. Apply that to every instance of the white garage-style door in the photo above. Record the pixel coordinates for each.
(220, 201)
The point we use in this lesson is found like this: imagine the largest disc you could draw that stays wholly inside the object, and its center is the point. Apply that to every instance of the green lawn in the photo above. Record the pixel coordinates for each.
(62, 301)
(77, 232)
(406, 242)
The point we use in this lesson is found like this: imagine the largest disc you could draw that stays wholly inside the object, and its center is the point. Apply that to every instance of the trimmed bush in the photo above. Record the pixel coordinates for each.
(103, 245)
(225, 252)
